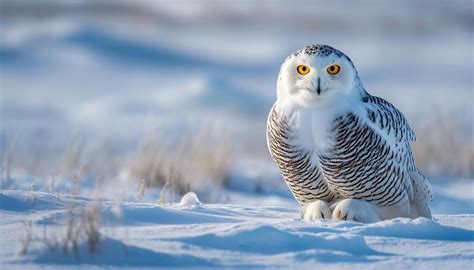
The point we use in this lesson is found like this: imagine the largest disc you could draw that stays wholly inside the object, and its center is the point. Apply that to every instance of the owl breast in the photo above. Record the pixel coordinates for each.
(298, 164)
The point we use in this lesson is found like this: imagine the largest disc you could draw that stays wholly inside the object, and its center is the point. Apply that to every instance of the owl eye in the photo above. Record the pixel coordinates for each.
(333, 69)
(302, 69)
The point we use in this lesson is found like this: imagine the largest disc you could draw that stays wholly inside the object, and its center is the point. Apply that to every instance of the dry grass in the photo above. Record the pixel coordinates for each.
(26, 242)
(91, 222)
(76, 183)
(187, 164)
(32, 199)
(85, 161)
(73, 158)
(8, 155)
(82, 225)
(142, 189)
(444, 148)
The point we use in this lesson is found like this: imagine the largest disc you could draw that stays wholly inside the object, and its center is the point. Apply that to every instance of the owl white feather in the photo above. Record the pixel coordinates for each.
(344, 153)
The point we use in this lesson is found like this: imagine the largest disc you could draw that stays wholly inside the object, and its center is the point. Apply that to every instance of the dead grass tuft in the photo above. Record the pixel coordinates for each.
(8, 155)
(183, 165)
(82, 225)
(85, 226)
(445, 146)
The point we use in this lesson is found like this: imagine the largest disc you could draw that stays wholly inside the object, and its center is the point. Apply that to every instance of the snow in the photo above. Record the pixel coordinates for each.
(196, 234)
(190, 199)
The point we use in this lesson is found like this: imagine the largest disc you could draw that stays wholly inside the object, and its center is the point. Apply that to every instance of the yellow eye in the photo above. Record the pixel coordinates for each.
(333, 69)
(302, 69)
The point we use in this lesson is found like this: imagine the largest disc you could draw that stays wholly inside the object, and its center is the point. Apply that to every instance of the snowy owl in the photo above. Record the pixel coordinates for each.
(344, 153)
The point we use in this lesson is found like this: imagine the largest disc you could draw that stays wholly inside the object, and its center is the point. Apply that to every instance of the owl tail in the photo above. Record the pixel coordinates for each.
(421, 197)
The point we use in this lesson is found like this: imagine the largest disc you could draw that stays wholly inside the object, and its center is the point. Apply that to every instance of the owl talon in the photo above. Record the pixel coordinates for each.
(316, 210)
(357, 210)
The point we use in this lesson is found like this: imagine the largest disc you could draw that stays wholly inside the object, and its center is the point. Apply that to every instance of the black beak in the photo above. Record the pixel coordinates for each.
(318, 89)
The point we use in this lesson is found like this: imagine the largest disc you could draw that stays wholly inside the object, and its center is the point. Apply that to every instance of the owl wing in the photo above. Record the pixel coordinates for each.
(390, 123)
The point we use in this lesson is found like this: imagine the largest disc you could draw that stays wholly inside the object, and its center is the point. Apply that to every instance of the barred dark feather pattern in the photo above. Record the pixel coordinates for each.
(391, 121)
(362, 164)
(297, 165)
(370, 158)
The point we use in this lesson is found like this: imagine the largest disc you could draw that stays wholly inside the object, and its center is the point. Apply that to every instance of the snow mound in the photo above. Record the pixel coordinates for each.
(114, 252)
(420, 228)
(134, 214)
(267, 239)
(190, 199)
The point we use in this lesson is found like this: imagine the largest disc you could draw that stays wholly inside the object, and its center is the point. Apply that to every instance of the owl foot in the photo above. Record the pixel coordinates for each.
(316, 210)
(357, 210)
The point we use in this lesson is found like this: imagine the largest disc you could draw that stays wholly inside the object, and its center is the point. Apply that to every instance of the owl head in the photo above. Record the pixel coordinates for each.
(318, 75)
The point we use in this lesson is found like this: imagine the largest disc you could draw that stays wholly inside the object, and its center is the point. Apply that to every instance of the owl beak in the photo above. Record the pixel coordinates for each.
(318, 88)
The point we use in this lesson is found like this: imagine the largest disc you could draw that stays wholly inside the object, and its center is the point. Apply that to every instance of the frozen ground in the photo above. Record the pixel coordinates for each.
(194, 234)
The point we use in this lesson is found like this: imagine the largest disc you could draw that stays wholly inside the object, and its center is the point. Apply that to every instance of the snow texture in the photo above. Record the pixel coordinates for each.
(225, 235)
